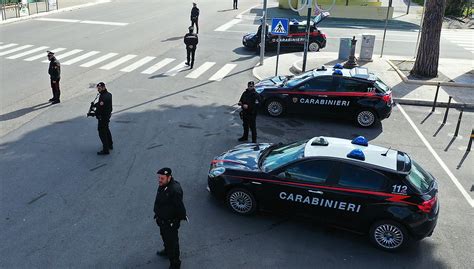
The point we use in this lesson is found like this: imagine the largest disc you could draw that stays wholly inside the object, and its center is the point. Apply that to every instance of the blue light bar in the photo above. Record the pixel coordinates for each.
(337, 72)
(338, 66)
(361, 141)
(356, 154)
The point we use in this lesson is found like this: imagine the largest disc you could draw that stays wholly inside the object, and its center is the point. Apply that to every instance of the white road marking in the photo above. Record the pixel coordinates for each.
(219, 75)
(43, 55)
(158, 66)
(16, 56)
(440, 161)
(64, 55)
(98, 60)
(175, 70)
(15, 49)
(200, 70)
(245, 11)
(227, 25)
(105, 23)
(57, 20)
(8, 46)
(137, 64)
(118, 62)
(80, 58)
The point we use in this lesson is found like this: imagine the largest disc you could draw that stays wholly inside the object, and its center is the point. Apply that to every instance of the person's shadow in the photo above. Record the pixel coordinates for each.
(21, 112)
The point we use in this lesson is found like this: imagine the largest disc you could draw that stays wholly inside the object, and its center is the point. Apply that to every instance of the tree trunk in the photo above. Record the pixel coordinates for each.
(427, 58)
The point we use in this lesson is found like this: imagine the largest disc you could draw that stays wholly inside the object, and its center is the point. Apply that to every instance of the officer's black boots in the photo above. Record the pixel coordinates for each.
(162, 253)
(103, 152)
(243, 138)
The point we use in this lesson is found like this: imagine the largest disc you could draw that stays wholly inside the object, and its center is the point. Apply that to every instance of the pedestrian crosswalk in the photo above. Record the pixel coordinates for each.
(147, 65)
(462, 37)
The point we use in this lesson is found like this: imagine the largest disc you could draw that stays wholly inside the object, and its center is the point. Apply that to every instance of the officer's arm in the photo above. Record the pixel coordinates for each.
(178, 201)
(241, 99)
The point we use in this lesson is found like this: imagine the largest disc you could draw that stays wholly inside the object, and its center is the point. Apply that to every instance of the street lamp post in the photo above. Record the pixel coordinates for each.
(306, 41)
(264, 30)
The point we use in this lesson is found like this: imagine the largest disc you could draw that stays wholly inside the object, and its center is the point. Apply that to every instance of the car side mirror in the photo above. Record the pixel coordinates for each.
(284, 175)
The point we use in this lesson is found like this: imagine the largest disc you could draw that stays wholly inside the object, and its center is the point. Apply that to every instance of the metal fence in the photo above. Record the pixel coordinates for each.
(18, 8)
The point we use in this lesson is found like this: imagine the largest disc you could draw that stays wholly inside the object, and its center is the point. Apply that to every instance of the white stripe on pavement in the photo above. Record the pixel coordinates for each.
(16, 56)
(15, 49)
(105, 23)
(137, 64)
(80, 58)
(98, 60)
(219, 75)
(200, 70)
(64, 55)
(8, 46)
(175, 70)
(43, 55)
(158, 66)
(58, 20)
(227, 25)
(118, 62)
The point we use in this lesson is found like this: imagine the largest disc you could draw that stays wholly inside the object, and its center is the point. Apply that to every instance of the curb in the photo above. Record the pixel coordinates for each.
(432, 83)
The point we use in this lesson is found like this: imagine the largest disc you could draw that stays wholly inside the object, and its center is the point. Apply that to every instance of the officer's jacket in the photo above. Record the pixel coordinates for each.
(169, 202)
(194, 13)
(54, 70)
(191, 39)
(104, 105)
(250, 97)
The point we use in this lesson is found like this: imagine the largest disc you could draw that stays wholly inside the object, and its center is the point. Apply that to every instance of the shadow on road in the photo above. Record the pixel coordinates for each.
(23, 111)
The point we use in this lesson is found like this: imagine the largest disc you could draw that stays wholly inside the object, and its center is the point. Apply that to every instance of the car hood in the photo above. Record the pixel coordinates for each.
(243, 157)
(271, 82)
(249, 36)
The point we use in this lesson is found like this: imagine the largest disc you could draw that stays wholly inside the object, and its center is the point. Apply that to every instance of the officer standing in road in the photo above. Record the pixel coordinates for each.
(103, 112)
(54, 72)
(248, 101)
(169, 212)
(191, 41)
(195, 17)
(235, 4)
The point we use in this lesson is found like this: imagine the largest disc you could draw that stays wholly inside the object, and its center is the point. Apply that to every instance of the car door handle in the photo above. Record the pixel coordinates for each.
(316, 192)
(256, 183)
(284, 95)
(322, 96)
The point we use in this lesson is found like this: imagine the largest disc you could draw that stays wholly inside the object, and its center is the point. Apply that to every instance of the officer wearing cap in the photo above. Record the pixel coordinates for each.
(191, 41)
(248, 101)
(195, 17)
(169, 211)
(103, 112)
(54, 72)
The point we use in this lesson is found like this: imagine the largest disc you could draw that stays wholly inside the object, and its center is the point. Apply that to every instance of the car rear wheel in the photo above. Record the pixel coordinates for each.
(275, 108)
(314, 46)
(241, 201)
(366, 118)
(389, 235)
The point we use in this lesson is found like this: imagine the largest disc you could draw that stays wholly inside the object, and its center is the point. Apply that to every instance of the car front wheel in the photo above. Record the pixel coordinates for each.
(241, 201)
(366, 118)
(314, 46)
(389, 235)
(275, 108)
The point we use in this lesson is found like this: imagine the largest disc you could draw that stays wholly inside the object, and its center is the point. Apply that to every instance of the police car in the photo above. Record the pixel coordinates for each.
(349, 93)
(348, 184)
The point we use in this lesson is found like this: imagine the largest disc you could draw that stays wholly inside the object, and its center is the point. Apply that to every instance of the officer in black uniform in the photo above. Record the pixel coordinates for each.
(54, 72)
(195, 17)
(103, 112)
(235, 4)
(248, 101)
(169, 211)
(191, 40)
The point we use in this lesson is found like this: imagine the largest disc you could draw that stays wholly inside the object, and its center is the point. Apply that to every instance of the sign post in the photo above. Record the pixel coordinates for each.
(279, 28)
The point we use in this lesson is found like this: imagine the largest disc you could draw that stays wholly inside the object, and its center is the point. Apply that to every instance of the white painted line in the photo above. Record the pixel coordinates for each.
(98, 60)
(227, 25)
(440, 161)
(118, 62)
(16, 56)
(80, 58)
(57, 20)
(15, 49)
(245, 11)
(158, 66)
(200, 70)
(64, 55)
(43, 55)
(137, 64)
(219, 75)
(175, 70)
(105, 23)
(8, 46)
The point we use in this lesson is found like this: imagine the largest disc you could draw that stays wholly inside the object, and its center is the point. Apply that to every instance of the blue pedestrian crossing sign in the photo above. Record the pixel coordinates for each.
(279, 26)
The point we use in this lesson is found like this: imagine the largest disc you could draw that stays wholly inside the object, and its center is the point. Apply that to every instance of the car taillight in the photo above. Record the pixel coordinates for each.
(427, 206)
(323, 35)
(387, 98)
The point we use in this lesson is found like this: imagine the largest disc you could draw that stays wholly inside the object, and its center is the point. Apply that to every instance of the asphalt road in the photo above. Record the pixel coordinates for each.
(64, 206)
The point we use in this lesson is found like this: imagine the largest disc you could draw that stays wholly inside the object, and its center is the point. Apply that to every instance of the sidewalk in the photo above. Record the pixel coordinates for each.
(457, 71)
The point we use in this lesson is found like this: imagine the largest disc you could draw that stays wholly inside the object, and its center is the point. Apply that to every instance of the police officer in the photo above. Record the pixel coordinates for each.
(235, 4)
(195, 17)
(103, 112)
(259, 34)
(191, 40)
(169, 211)
(248, 101)
(54, 72)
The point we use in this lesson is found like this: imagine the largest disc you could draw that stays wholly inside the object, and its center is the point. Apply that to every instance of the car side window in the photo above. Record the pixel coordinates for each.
(350, 85)
(360, 178)
(309, 171)
(318, 84)
(293, 29)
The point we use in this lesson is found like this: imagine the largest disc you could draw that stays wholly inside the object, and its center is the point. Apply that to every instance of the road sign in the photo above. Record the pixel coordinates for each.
(279, 26)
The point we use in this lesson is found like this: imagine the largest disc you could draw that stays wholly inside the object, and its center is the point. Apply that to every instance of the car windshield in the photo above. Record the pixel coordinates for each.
(419, 178)
(298, 79)
(381, 86)
(283, 155)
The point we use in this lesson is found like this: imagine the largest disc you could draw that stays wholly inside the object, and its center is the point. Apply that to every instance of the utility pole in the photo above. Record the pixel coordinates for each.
(306, 42)
(264, 32)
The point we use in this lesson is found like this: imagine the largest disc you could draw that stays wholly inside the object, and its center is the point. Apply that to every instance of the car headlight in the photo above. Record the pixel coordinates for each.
(215, 172)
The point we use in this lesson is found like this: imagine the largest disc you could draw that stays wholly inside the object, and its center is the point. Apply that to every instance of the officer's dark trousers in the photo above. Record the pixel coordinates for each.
(235, 4)
(55, 89)
(195, 22)
(104, 134)
(250, 122)
(190, 55)
(169, 234)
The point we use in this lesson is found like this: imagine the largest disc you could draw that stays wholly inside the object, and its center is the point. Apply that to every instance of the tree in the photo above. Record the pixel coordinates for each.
(456, 7)
(427, 58)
